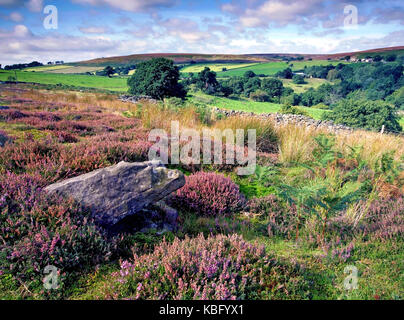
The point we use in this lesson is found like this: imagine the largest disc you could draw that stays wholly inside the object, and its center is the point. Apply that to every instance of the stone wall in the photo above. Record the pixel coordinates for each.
(282, 119)
(136, 99)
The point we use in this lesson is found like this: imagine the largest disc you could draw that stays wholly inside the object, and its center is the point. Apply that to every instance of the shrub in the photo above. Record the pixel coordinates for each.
(365, 114)
(378, 219)
(280, 218)
(209, 194)
(37, 231)
(287, 109)
(218, 267)
(260, 96)
(298, 79)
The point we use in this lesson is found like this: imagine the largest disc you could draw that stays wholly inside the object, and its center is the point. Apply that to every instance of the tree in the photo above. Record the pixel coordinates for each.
(365, 114)
(207, 82)
(251, 85)
(157, 78)
(286, 74)
(377, 58)
(259, 96)
(273, 87)
(108, 71)
(249, 74)
(298, 79)
(391, 57)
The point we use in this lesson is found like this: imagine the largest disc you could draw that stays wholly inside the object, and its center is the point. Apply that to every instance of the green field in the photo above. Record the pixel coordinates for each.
(246, 105)
(217, 67)
(271, 68)
(113, 84)
(300, 88)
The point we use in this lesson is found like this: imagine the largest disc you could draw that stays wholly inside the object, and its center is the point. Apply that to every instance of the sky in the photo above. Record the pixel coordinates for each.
(77, 30)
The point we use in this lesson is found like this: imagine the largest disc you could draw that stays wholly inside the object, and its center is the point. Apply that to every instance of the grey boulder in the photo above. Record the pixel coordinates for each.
(122, 190)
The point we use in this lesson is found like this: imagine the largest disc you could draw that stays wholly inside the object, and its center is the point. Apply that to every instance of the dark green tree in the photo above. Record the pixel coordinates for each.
(207, 82)
(273, 87)
(108, 71)
(365, 114)
(157, 78)
(249, 74)
(298, 79)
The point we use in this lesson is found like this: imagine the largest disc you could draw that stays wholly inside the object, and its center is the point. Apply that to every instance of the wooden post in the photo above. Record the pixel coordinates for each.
(382, 131)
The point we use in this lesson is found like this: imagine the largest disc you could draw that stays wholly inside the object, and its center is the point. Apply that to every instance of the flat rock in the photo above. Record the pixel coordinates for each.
(122, 190)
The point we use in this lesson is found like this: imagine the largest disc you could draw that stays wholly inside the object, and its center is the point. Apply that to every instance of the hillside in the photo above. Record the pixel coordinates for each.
(184, 58)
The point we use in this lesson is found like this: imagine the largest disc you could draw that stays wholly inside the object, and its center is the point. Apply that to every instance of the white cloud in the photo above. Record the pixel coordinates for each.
(32, 5)
(131, 5)
(35, 5)
(16, 17)
(94, 30)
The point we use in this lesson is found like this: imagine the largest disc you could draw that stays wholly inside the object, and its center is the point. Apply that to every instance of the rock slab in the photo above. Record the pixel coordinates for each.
(122, 190)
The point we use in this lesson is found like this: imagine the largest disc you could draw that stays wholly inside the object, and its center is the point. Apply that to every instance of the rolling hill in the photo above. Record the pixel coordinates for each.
(187, 58)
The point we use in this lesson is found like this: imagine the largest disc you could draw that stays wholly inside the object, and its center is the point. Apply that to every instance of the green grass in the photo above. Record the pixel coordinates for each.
(217, 67)
(402, 122)
(300, 88)
(113, 84)
(271, 68)
(246, 105)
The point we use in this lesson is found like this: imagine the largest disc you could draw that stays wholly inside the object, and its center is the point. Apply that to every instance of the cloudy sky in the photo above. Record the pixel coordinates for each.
(99, 28)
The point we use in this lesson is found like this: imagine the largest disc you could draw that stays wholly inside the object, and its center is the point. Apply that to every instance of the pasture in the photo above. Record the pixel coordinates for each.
(271, 68)
(300, 88)
(217, 67)
(244, 104)
(113, 84)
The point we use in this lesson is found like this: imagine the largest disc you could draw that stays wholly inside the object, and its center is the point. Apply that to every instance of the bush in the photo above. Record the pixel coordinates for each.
(218, 267)
(260, 96)
(298, 79)
(209, 194)
(37, 231)
(287, 109)
(280, 218)
(365, 114)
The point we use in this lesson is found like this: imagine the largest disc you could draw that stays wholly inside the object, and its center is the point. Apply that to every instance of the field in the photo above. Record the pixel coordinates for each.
(271, 68)
(65, 69)
(300, 88)
(246, 105)
(113, 84)
(289, 235)
(217, 67)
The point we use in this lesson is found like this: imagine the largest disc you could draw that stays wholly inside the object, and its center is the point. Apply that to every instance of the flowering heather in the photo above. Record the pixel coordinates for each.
(209, 194)
(218, 267)
(381, 219)
(37, 230)
(54, 160)
(281, 218)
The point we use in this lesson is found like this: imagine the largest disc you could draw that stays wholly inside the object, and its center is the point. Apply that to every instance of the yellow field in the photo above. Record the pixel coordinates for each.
(66, 69)
(48, 68)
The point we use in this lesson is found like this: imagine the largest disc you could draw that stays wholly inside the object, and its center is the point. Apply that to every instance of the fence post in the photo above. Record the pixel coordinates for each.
(381, 132)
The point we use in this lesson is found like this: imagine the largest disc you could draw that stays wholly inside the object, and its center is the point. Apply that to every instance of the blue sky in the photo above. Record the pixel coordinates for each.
(100, 28)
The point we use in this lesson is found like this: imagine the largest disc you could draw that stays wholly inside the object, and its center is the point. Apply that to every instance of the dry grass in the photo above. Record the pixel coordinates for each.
(296, 144)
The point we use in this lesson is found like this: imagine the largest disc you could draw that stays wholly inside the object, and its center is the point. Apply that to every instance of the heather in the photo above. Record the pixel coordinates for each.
(217, 267)
(210, 194)
(37, 231)
(316, 203)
